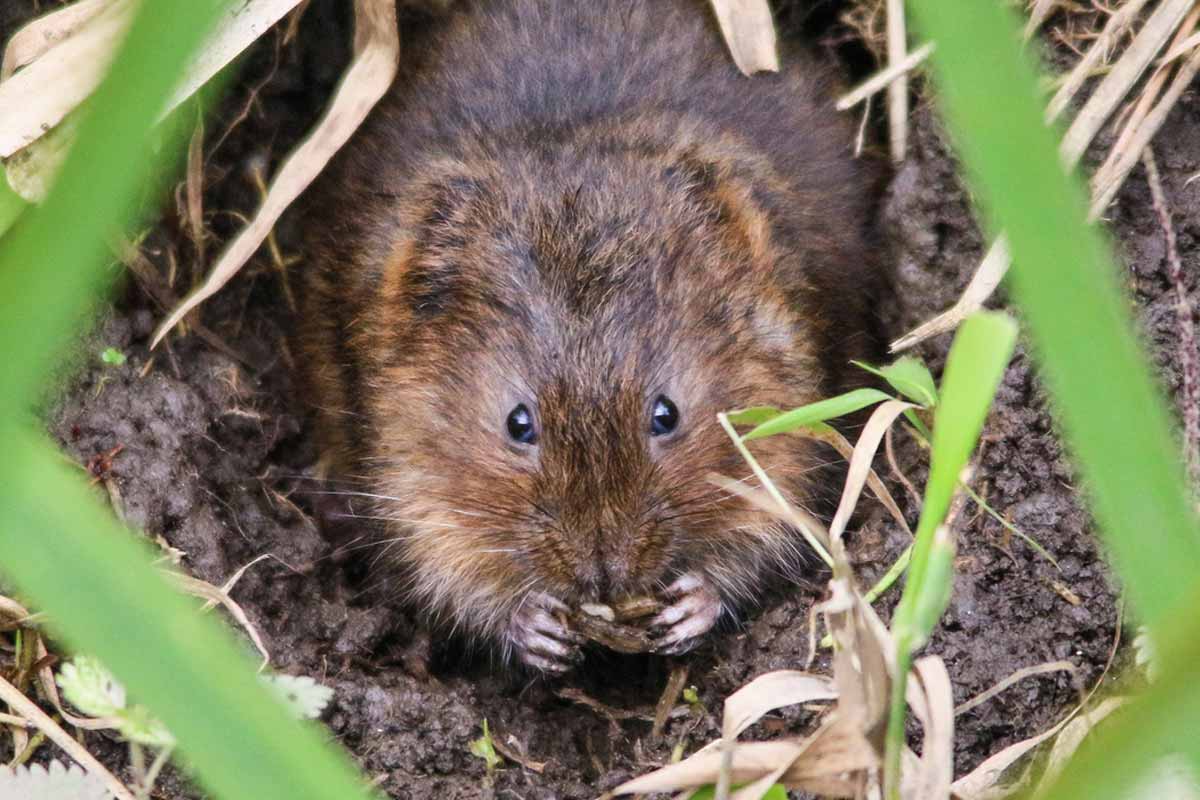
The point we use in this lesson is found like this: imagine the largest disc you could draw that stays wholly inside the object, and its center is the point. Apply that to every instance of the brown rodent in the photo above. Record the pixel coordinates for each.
(570, 235)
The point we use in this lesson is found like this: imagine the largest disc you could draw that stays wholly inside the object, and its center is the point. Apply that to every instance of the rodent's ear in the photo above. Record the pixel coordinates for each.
(446, 194)
(714, 177)
(692, 171)
(425, 273)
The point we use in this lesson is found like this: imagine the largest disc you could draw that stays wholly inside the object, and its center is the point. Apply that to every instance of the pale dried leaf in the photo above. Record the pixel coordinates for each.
(1117, 22)
(837, 755)
(860, 462)
(878, 487)
(44, 32)
(863, 656)
(818, 763)
(76, 64)
(1037, 15)
(1179, 50)
(936, 767)
(1071, 736)
(768, 692)
(1111, 177)
(38, 97)
(1019, 675)
(32, 170)
(897, 95)
(750, 33)
(984, 782)
(377, 51)
(750, 762)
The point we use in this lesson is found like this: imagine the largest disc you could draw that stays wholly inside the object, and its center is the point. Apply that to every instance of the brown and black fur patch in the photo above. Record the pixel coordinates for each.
(580, 207)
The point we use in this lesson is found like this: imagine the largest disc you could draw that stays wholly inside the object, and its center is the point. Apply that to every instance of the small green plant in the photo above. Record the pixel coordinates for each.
(112, 357)
(91, 688)
(484, 748)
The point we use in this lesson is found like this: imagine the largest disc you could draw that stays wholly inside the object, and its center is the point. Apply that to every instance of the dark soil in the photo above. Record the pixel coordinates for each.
(216, 459)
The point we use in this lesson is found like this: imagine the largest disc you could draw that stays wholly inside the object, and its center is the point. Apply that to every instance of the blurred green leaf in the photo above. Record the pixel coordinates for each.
(908, 376)
(57, 544)
(820, 411)
(96, 583)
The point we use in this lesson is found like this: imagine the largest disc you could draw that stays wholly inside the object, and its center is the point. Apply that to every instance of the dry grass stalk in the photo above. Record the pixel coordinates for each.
(376, 55)
(1097, 53)
(884, 78)
(750, 33)
(860, 463)
(1184, 325)
(1166, 20)
(897, 46)
(1143, 123)
(1016, 677)
(1037, 16)
(987, 277)
(1116, 85)
(219, 595)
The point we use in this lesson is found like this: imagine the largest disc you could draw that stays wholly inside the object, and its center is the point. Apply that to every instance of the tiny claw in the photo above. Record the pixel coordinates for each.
(696, 609)
(540, 640)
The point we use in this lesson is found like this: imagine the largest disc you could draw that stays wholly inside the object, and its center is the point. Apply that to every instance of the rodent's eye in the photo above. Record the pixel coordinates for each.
(665, 416)
(520, 425)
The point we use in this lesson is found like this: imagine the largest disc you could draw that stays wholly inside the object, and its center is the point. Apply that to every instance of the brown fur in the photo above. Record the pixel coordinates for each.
(580, 206)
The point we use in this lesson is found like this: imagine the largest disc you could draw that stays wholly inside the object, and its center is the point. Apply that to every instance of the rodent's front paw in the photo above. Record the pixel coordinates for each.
(695, 606)
(542, 641)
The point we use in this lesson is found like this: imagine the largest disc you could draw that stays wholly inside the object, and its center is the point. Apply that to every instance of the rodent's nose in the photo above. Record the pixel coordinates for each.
(603, 578)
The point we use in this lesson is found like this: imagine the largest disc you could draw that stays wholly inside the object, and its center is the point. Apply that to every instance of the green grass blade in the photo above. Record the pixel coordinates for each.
(976, 363)
(909, 377)
(1064, 278)
(755, 415)
(102, 595)
(820, 411)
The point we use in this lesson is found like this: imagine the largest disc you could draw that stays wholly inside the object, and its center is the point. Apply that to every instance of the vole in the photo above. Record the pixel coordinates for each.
(569, 236)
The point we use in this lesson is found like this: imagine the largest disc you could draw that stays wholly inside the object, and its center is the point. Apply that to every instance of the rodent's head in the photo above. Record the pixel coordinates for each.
(552, 343)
